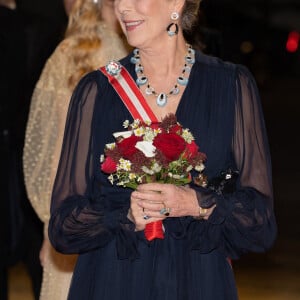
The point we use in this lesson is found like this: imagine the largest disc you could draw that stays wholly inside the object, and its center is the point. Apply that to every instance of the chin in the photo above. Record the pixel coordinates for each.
(132, 42)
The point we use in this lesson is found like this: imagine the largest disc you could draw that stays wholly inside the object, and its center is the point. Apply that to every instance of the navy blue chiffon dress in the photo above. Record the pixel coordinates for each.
(221, 107)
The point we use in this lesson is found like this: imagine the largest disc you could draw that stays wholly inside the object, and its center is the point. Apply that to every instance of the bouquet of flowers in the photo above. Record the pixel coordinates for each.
(146, 152)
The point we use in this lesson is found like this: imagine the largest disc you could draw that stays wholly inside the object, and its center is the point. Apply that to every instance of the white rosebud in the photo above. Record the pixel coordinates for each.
(146, 147)
(123, 134)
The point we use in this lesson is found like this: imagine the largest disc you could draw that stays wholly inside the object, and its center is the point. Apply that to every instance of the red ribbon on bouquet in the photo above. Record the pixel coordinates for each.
(154, 230)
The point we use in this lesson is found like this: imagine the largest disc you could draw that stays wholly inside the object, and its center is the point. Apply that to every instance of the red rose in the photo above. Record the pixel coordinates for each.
(170, 144)
(109, 165)
(191, 150)
(127, 146)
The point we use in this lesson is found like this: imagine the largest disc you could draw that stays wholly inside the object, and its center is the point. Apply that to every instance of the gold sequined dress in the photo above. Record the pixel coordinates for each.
(44, 135)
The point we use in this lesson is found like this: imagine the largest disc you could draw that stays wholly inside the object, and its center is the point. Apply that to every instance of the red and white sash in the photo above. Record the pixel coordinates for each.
(128, 91)
(135, 102)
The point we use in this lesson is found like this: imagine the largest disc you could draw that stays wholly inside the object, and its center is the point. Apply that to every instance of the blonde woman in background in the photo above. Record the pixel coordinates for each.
(92, 38)
(11, 4)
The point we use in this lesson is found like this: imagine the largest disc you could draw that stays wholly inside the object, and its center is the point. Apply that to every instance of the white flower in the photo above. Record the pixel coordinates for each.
(131, 176)
(149, 134)
(102, 157)
(123, 134)
(147, 170)
(199, 168)
(139, 131)
(189, 168)
(126, 123)
(176, 176)
(156, 167)
(140, 179)
(146, 147)
(135, 123)
(124, 165)
(110, 146)
(111, 178)
(157, 131)
(187, 136)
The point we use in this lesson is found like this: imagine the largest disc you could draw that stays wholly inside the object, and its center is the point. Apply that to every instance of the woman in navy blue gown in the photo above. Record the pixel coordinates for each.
(206, 226)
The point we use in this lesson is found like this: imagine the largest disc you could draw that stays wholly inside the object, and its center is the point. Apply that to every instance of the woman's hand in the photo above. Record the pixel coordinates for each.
(179, 201)
(152, 199)
(156, 201)
(143, 211)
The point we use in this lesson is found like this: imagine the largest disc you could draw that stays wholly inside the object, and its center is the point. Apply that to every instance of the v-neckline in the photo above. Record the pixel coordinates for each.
(180, 103)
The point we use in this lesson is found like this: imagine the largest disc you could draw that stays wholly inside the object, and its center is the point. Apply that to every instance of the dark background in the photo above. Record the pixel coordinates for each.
(255, 33)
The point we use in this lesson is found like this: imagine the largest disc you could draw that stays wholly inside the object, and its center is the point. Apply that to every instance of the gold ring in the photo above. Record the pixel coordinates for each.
(202, 213)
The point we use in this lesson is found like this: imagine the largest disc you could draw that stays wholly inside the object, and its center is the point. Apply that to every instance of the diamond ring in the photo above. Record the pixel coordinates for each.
(165, 211)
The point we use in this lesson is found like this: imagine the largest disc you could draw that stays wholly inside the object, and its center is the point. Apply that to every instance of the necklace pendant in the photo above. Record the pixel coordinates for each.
(187, 69)
(182, 80)
(141, 80)
(135, 60)
(161, 99)
(190, 59)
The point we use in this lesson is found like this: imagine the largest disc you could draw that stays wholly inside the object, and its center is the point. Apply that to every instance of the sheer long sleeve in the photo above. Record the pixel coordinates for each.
(85, 214)
(244, 220)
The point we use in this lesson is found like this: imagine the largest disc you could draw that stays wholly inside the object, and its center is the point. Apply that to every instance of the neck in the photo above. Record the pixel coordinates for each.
(166, 57)
(165, 79)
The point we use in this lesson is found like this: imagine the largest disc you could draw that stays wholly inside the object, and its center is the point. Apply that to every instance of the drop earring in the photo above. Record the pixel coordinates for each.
(174, 26)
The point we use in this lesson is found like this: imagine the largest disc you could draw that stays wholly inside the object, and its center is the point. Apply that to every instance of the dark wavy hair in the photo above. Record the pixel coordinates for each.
(189, 17)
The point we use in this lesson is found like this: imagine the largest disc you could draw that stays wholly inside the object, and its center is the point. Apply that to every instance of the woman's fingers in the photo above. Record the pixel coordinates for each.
(170, 200)
(143, 215)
